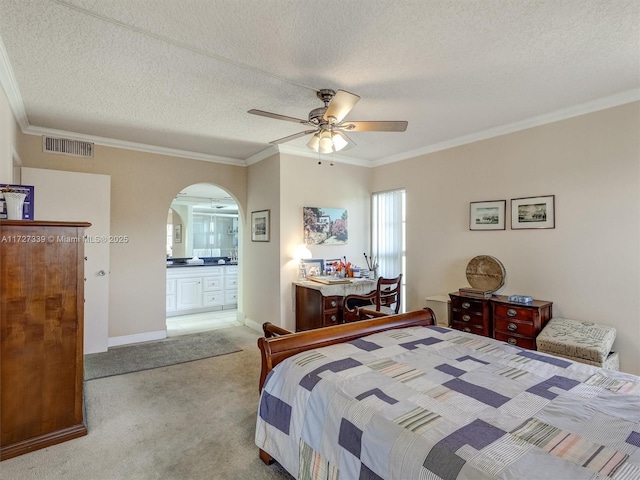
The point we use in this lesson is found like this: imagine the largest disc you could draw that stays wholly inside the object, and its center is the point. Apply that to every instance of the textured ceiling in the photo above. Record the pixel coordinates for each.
(182, 74)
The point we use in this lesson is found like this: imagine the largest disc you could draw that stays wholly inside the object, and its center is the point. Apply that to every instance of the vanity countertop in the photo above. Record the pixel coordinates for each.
(206, 264)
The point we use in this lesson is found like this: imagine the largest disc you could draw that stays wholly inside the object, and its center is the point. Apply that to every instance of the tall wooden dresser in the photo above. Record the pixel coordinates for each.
(41, 334)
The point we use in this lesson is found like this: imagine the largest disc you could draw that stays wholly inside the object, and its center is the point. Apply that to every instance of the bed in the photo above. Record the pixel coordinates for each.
(401, 398)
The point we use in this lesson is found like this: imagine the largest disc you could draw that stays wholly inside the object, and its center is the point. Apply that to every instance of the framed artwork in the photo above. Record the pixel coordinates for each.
(313, 267)
(177, 233)
(27, 205)
(260, 226)
(328, 263)
(488, 215)
(325, 226)
(533, 212)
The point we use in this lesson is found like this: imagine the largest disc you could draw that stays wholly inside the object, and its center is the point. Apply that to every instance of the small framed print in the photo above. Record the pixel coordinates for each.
(260, 226)
(177, 233)
(313, 267)
(488, 215)
(533, 212)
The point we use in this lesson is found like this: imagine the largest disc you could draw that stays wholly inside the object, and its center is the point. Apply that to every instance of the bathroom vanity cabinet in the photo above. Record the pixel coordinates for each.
(201, 288)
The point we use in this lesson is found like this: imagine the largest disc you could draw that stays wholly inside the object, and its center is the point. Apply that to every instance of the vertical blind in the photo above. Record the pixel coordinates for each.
(388, 233)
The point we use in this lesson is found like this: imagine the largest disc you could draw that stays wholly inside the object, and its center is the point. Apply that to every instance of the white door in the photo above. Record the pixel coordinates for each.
(84, 197)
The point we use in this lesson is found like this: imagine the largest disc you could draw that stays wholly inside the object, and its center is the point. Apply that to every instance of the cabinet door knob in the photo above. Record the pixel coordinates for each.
(512, 327)
(466, 329)
(466, 318)
(333, 318)
(466, 305)
(334, 303)
(512, 341)
(511, 312)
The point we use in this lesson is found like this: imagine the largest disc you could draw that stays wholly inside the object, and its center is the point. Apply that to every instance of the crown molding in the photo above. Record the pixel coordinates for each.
(306, 152)
(10, 87)
(140, 147)
(258, 157)
(627, 96)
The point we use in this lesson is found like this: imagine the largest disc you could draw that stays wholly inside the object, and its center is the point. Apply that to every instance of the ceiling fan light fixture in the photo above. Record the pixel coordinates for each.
(326, 144)
(338, 142)
(314, 142)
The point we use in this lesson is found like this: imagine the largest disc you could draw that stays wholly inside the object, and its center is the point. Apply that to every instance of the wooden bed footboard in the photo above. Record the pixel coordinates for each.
(274, 350)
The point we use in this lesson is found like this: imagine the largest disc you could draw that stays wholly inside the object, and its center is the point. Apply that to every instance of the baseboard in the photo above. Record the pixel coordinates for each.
(137, 338)
(252, 324)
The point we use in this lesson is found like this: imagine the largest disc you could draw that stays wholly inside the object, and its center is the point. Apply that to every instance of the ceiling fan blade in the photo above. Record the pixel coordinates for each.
(277, 116)
(391, 126)
(292, 137)
(340, 105)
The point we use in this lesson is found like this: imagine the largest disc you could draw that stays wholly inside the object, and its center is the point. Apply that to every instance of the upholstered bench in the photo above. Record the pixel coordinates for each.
(584, 342)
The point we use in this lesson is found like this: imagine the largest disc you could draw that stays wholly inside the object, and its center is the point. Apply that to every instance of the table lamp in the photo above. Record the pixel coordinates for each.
(302, 253)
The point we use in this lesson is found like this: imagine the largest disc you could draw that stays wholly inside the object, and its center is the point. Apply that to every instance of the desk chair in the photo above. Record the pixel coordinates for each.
(383, 301)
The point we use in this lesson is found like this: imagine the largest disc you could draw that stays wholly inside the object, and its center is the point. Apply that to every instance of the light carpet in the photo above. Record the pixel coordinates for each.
(190, 421)
(161, 353)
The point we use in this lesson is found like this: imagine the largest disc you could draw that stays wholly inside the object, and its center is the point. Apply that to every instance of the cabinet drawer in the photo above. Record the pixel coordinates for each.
(212, 283)
(510, 325)
(330, 303)
(467, 305)
(516, 340)
(467, 317)
(516, 313)
(213, 298)
(231, 297)
(231, 282)
(330, 318)
(468, 327)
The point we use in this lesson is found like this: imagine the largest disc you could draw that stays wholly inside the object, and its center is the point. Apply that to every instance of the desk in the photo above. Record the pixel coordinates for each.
(319, 305)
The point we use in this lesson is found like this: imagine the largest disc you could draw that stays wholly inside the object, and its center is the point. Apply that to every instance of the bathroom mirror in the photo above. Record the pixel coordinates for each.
(202, 222)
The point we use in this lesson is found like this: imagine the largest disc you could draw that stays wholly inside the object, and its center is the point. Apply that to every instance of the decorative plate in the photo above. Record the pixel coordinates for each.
(485, 273)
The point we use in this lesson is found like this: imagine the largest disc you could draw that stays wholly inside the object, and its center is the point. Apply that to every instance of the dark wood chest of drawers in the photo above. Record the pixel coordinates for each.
(470, 315)
(519, 324)
(497, 317)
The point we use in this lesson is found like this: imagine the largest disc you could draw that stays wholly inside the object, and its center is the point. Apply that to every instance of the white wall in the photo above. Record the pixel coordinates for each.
(142, 188)
(285, 184)
(589, 265)
(304, 183)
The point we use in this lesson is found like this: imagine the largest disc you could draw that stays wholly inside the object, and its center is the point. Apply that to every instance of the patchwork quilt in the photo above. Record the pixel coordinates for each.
(435, 403)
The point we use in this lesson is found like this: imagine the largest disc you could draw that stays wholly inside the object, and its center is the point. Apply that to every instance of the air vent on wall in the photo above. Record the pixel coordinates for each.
(67, 147)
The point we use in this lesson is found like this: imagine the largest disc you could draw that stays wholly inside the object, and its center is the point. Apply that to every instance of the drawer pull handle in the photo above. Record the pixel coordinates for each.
(466, 305)
(334, 303)
(511, 312)
(334, 318)
(466, 318)
(512, 327)
(512, 341)
(466, 329)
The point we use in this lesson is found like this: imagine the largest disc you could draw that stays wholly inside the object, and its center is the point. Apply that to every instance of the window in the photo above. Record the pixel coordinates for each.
(388, 233)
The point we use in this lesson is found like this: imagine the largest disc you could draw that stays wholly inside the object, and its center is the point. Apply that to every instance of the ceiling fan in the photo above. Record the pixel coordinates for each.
(329, 127)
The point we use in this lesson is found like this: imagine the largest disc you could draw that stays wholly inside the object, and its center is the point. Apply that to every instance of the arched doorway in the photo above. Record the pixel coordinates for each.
(202, 260)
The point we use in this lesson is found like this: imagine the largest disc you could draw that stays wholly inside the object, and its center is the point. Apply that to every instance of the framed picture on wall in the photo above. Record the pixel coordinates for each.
(325, 226)
(177, 233)
(488, 215)
(260, 226)
(533, 212)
